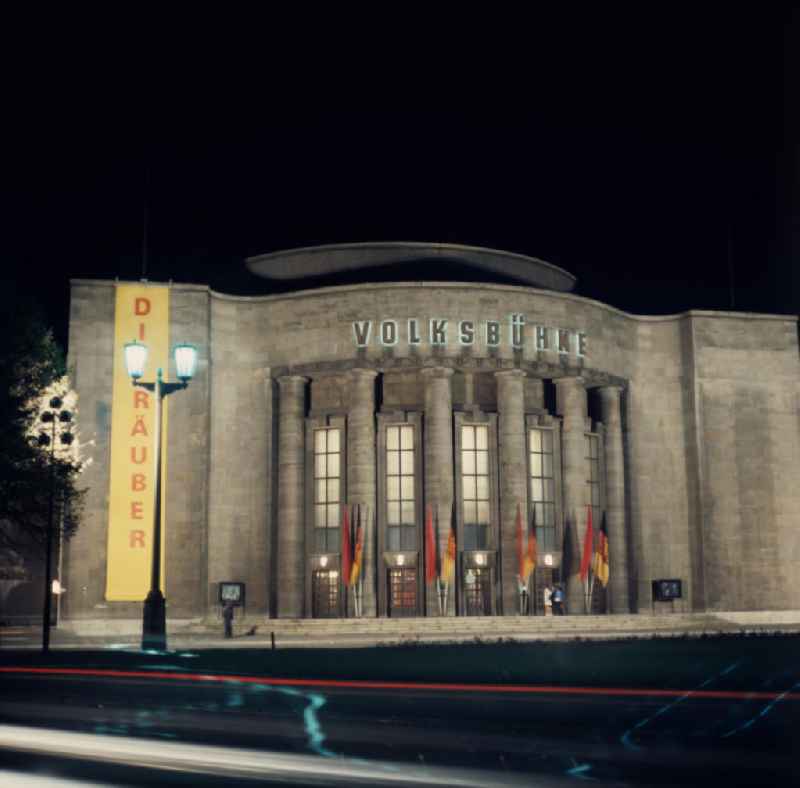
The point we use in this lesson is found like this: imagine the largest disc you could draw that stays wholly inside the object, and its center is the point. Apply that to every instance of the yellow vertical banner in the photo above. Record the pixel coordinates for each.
(142, 313)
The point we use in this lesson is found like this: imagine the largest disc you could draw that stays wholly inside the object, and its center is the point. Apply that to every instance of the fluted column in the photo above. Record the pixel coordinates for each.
(618, 600)
(361, 469)
(291, 475)
(511, 437)
(572, 406)
(439, 464)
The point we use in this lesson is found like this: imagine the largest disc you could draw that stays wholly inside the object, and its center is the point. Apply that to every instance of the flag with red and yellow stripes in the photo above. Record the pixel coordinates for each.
(600, 563)
(449, 559)
(355, 571)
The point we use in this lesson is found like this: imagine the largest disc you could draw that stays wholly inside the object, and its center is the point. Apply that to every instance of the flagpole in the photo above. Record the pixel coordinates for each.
(367, 523)
(356, 605)
(350, 579)
(364, 522)
(356, 586)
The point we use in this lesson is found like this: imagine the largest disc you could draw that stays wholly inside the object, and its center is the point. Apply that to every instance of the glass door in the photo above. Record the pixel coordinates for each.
(402, 592)
(325, 593)
(478, 591)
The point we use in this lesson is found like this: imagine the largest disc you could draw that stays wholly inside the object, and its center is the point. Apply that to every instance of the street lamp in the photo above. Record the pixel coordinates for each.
(52, 417)
(154, 621)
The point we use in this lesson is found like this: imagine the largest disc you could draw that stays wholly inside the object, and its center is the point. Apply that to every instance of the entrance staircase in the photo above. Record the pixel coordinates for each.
(487, 629)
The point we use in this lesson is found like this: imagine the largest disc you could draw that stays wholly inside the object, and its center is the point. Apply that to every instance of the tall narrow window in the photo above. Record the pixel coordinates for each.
(542, 487)
(475, 485)
(401, 530)
(593, 476)
(327, 489)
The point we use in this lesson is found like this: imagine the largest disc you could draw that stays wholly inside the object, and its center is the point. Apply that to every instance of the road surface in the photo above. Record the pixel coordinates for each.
(715, 730)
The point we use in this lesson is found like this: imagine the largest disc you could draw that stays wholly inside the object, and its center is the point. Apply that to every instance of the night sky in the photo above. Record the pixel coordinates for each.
(651, 166)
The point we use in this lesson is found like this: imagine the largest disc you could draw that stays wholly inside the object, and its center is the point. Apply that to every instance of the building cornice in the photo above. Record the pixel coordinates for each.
(324, 292)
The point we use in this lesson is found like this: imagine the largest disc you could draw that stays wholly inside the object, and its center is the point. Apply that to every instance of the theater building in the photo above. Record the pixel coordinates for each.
(468, 399)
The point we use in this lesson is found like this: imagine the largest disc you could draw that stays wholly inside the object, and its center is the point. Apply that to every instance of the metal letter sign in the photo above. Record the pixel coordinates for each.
(490, 333)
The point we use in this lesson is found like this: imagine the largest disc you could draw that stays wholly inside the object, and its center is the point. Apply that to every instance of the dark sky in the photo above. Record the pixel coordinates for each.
(631, 160)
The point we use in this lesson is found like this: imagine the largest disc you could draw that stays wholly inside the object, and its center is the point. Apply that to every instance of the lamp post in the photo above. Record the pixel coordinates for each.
(154, 620)
(51, 417)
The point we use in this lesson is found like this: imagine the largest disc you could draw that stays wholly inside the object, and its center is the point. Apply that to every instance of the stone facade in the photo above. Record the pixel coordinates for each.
(698, 414)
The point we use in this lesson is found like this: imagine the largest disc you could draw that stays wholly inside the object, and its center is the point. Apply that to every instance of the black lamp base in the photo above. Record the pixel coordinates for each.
(154, 622)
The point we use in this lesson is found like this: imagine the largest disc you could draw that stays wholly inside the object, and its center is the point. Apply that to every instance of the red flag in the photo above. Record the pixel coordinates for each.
(347, 549)
(430, 548)
(520, 545)
(588, 544)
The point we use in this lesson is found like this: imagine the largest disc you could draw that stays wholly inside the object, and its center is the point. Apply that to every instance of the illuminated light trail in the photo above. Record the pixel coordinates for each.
(763, 713)
(699, 692)
(311, 723)
(235, 762)
(417, 686)
(580, 770)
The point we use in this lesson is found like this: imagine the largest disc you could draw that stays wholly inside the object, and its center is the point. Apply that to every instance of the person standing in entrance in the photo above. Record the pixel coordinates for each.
(548, 600)
(558, 600)
(227, 617)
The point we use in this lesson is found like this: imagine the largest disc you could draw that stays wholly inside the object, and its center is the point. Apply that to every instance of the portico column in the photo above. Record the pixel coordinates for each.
(291, 475)
(618, 600)
(439, 467)
(572, 407)
(361, 470)
(511, 437)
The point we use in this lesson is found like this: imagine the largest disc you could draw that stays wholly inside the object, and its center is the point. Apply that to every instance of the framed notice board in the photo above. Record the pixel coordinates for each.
(232, 592)
(667, 590)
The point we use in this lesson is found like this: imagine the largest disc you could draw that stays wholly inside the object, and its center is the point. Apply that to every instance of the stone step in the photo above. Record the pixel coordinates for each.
(480, 626)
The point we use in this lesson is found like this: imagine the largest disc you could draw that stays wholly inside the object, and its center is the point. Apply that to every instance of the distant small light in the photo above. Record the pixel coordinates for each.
(548, 559)
(480, 559)
(323, 562)
(401, 560)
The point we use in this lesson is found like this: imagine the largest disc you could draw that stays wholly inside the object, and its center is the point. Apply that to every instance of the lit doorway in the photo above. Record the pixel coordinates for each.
(478, 591)
(325, 593)
(402, 592)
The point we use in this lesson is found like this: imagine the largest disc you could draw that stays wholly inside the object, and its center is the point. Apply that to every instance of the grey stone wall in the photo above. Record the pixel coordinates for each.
(186, 499)
(239, 492)
(709, 421)
(657, 475)
(90, 362)
(747, 376)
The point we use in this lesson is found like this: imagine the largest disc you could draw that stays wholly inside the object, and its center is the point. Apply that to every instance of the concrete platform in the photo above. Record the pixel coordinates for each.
(384, 631)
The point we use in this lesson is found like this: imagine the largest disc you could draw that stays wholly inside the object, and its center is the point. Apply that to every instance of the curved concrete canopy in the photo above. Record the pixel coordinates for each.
(313, 261)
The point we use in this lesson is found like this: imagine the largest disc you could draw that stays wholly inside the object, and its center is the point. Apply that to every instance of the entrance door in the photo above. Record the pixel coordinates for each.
(543, 577)
(402, 592)
(325, 593)
(478, 591)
